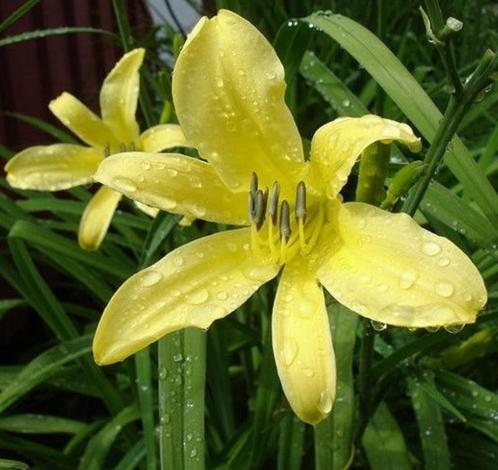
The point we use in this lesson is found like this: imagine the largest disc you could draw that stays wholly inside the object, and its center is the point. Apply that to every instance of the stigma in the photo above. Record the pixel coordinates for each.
(279, 229)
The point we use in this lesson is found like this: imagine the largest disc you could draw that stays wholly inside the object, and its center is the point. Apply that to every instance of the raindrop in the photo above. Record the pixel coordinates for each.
(308, 372)
(222, 295)
(407, 279)
(377, 325)
(454, 328)
(444, 289)
(197, 297)
(178, 260)
(325, 402)
(444, 261)
(289, 352)
(125, 184)
(431, 248)
(150, 278)
(177, 357)
(146, 165)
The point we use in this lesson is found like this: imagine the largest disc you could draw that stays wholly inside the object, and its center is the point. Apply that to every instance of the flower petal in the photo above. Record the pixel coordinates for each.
(302, 343)
(194, 285)
(150, 211)
(81, 120)
(119, 96)
(337, 145)
(387, 268)
(161, 137)
(97, 217)
(228, 90)
(174, 183)
(53, 167)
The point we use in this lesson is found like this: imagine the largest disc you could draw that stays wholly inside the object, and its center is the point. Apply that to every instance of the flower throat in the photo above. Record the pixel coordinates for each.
(276, 235)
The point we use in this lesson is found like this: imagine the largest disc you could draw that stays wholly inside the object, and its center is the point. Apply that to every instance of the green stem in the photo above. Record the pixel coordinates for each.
(365, 377)
(373, 171)
(448, 127)
(146, 401)
(182, 369)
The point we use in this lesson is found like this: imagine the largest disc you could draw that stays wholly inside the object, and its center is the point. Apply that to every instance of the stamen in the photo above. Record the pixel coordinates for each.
(132, 147)
(273, 209)
(122, 147)
(107, 150)
(285, 229)
(254, 184)
(251, 207)
(301, 202)
(259, 216)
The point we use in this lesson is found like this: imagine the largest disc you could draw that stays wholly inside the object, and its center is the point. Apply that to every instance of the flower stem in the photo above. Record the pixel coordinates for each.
(182, 370)
(365, 377)
(145, 398)
(456, 109)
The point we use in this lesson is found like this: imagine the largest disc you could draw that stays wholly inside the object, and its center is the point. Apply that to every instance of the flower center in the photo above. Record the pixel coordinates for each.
(276, 235)
(108, 150)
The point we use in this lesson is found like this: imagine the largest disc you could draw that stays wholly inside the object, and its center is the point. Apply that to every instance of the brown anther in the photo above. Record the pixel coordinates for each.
(273, 209)
(285, 230)
(122, 147)
(107, 150)
(300, 209)
(259, 216)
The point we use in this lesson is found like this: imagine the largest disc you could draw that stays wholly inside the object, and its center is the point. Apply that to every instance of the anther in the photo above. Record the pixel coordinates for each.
(301, 201)
(254, 184)
(259, 216)
(132, 147)
(251, 206)
(285, 230)
(107, 150)
(273, 209)
(122, 147)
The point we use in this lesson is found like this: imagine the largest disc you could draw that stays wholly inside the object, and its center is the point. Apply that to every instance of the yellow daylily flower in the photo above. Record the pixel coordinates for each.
(62, 166)
(228, 89)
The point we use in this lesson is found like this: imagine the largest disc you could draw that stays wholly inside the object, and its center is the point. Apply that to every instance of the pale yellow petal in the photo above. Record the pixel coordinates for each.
(162, 137)
(53, 167)
(302, 343)
(387, 268)
(97, 217)
(336, 146)
(119, 96)
(81, 120)
(228, 90)
(194, 285)
(150, 211)
(174, 183)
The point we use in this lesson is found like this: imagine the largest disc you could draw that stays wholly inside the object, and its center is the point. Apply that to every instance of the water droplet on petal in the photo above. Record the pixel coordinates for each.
(124, 184)
(407, 279)
(444, 289)
(453, 329)
(444, 261)
(260, 273)
(325, 402)
(178, 260)
(146, 165)
(431, 248)
(289, 351)
(222, 295)
(308, 372)
(197, 297)
(377, 325)
(150, 278)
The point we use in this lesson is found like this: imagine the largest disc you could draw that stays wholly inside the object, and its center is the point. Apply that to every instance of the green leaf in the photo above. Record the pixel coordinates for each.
(406, 92)
(55, 132)
(41, 368)
(452, 211)
(43, 33)
(35, 234)
(132, 458)
(15, 15)
(100, 444)
(331, 87)
(431, 427)
(6, 464)
(478, 404)
(9, 304)
(290, 443)
(40, 424)
(384, 443)
(334, 435)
